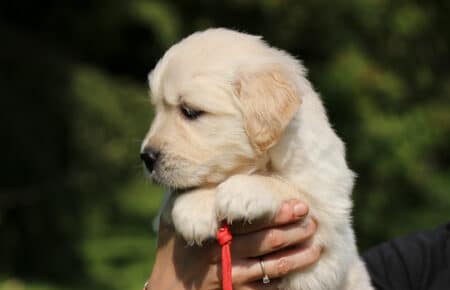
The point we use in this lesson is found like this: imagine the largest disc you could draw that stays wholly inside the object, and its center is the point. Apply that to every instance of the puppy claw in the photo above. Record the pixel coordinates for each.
(194, 217)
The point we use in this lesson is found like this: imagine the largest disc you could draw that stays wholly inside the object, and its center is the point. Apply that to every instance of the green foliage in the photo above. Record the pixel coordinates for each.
(75, 208)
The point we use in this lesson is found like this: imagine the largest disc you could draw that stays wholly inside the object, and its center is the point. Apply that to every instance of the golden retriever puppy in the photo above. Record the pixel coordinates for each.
(238, 130)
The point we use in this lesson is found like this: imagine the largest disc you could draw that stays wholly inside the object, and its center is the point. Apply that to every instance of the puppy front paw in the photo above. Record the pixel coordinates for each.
(240, 198)
(194, 217)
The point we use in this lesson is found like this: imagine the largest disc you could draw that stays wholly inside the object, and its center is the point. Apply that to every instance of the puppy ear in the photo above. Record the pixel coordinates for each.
(269, 100)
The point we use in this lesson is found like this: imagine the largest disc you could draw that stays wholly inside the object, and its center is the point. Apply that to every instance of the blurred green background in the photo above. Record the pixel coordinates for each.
(75, 208)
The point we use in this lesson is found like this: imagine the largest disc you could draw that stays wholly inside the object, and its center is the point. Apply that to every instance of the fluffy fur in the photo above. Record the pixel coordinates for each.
(263, 138)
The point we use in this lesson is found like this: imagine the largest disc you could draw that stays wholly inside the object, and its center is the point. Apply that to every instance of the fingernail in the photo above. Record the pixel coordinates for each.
(300, 209)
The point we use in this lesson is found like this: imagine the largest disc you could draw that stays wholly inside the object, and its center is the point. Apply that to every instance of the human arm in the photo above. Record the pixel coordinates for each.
(417, 261)
(283, 241)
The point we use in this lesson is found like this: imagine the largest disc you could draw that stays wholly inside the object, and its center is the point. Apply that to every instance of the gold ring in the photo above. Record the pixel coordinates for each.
(265, 278)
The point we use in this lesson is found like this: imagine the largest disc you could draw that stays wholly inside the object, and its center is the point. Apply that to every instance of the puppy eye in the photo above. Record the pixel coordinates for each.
(189, 113)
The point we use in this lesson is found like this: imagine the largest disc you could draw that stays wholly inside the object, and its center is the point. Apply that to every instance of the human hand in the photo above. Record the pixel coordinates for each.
(283, 243)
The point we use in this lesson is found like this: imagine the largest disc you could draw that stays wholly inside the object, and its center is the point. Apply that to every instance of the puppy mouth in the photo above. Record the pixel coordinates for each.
(159, 177)
(177, 189)
(173, 172)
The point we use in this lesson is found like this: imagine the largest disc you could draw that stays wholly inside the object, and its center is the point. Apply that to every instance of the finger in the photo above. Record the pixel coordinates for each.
(259, 285)
(278, 264)
(266, 241)
(289, 212)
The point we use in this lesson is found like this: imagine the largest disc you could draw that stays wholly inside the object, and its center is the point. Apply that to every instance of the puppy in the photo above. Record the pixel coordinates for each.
(238, 130)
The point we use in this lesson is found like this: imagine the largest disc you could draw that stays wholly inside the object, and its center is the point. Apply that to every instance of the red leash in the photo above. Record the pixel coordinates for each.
(224, 238)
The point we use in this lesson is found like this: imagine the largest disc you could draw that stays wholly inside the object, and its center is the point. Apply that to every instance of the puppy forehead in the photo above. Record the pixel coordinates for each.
(203, 61)
(217, 52)
(205, 86)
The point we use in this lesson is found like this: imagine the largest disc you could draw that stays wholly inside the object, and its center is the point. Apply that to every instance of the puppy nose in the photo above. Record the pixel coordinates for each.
(149, 156)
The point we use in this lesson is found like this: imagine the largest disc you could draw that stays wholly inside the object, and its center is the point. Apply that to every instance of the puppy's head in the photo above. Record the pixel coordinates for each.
(222, 99)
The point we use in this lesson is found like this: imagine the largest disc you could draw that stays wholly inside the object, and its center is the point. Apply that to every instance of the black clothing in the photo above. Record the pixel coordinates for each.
(417, 262)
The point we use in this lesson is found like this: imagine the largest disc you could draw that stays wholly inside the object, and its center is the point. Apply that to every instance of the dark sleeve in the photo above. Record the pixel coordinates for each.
(418, 262)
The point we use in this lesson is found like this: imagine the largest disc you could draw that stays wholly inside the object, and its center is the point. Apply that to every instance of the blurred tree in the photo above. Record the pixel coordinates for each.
(73, 109)
(39, 212)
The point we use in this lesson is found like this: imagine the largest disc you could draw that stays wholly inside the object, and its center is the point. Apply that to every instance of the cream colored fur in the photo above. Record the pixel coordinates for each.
(264, 138)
